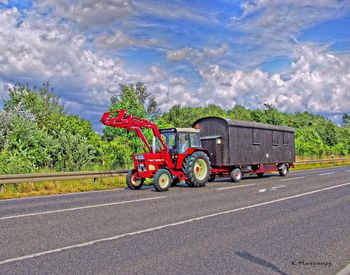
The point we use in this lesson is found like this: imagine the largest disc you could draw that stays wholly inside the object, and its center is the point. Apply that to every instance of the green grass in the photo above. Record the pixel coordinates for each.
(20, 190)
(331, 163)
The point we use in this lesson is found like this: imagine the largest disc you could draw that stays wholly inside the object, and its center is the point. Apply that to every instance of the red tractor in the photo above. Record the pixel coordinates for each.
(175, 154)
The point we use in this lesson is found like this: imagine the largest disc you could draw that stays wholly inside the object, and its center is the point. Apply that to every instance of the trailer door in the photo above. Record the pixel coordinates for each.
(213, 144)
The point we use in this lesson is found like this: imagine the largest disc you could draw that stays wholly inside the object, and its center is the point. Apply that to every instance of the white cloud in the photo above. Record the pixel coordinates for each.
(197, 55)
(36, 54)
(319, 82)
(272, 28)
(88, 13)
(59, 48)
(119, 40)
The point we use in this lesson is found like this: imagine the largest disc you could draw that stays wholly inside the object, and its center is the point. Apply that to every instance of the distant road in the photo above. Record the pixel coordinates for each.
(299, 224)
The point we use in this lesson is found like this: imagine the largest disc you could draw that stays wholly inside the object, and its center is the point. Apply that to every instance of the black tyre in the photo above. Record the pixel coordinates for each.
(236, 175)
(260, 175)
(211, 178)
(283, 171)
(175, 181)
(197, 169)
(133, 184)
(162, 180)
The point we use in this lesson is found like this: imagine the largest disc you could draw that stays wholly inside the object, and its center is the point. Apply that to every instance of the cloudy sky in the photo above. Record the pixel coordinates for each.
(294, 54)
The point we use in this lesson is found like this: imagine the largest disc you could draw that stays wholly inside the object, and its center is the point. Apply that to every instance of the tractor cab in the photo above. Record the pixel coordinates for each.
(179, 140)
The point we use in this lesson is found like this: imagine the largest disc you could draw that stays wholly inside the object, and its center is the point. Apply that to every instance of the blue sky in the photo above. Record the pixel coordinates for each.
(292, 54)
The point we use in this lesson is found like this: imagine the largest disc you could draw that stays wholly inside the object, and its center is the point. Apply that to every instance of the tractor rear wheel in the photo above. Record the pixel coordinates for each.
(197, 169)
(132, 182)
(162, 180)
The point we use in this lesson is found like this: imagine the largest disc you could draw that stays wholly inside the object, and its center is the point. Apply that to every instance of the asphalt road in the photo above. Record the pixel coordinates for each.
(299, 224)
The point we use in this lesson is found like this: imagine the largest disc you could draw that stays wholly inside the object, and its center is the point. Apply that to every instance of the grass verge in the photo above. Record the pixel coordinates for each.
(30, 189)
(330, 163)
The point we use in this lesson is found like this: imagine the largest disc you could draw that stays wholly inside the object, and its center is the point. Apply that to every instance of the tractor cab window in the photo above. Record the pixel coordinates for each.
(195, 141)
(184, 142)
(187, 140)
(170, 140)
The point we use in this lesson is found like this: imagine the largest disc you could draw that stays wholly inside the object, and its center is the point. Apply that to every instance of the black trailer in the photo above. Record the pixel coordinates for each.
(237, 147)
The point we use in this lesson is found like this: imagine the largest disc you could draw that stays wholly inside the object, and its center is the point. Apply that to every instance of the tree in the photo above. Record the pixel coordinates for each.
(308, 142)
(272, 115)
(5, 122)
(37, 133)
(27, 147)
(346, 121)
(140, 103)
(43, 105)
(240, 112)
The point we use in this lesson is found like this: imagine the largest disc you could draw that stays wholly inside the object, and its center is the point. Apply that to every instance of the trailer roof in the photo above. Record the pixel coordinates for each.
(250, 124)
(186, 130)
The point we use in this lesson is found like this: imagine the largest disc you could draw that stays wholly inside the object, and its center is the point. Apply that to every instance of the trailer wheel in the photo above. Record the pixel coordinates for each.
(162, 180)
(132, 183)
(283, 171)
(236, 175)
(211, 178)
(197, 169)
(260, 175)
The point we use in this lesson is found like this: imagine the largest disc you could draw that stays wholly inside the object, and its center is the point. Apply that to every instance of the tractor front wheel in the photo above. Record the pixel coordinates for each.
(197, 169)
(133, 182)
(162, 180)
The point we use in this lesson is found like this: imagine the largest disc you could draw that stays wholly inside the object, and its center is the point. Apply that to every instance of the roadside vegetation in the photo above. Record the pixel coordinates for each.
(20, 190)
(37, 135)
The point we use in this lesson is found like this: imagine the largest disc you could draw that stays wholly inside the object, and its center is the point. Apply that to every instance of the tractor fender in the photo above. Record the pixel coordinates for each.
(190, 151)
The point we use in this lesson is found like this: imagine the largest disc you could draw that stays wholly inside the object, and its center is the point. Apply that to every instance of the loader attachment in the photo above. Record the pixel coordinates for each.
(122, 119)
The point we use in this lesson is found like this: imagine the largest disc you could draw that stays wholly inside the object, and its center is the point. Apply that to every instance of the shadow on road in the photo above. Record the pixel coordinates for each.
(245, 177)
(247, 256)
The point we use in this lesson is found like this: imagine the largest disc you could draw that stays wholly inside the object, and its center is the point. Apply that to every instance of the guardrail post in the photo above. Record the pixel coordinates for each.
(1, 187)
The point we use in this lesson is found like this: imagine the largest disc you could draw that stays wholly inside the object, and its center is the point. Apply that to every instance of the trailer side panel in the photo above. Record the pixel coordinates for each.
(241, 143)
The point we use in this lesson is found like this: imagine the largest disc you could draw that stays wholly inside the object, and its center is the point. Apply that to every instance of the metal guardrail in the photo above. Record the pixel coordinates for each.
(21, 178)
(321, 160)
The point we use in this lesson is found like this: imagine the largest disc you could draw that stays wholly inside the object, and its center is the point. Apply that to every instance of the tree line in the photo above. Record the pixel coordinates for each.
(36, 134)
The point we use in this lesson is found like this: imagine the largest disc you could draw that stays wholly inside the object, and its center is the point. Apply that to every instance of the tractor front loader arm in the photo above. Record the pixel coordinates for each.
(121, 119)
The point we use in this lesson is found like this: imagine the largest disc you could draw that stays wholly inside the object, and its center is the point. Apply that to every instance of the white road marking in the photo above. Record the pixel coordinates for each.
(345, 270)
(273, 188)
(329, 173)
(167, 225)
(277, 187)
(347, 170)
(237, 186)
(298, 178)
(78, 208)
